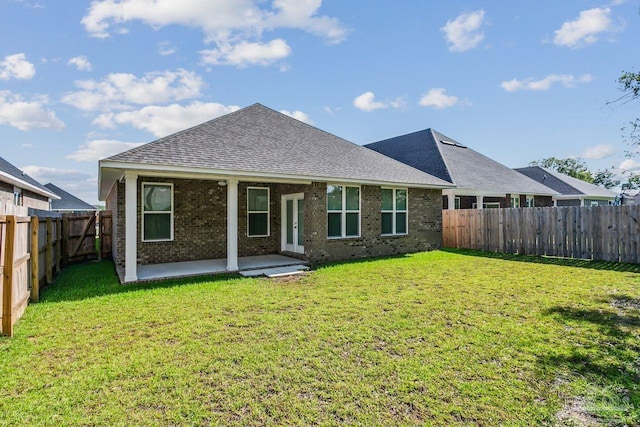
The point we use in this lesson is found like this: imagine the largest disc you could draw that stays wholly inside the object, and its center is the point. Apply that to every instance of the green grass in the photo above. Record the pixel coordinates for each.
(439, 338)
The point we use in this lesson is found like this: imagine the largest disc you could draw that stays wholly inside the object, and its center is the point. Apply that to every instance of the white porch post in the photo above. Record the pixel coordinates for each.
(451, 200)
(232, 225)
(581, 201)
(131, 227)
(480, 202)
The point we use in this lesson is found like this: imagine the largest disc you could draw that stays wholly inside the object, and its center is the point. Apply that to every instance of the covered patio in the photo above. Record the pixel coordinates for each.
(268, 265)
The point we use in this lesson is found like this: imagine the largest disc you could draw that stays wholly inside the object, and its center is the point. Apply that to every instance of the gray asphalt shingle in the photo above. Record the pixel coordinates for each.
(564, 184)
(10, 169)
(67, 202)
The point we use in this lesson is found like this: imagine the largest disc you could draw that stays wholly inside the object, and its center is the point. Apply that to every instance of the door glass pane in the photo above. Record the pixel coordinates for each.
(258, 199)
(157, 198)
(387, 199)
(401, 200)
(300, 222)
(334, 225)
(290, 222)
(387, 223)
(353, 224)
(258, 224)
(334, 197)
(353, 198)
(401, 223)
(157, 226)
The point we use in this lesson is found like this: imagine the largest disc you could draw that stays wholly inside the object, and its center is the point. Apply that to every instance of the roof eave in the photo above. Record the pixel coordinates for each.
(27, 186)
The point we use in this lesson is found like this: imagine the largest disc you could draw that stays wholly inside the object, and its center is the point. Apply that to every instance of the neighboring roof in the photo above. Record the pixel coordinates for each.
(439, 155)
(11, 174)
(259, 140)
(565, 184)
(67, 202)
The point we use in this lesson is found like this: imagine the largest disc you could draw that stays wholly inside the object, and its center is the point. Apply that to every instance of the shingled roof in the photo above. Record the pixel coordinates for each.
(444, 157)
(257, 139)
(11, 174)
(565, 184)
(67, 202)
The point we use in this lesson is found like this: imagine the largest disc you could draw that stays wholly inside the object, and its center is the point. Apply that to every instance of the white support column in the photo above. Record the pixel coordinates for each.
(451, 200)
(232, 225)
(480, 202)
(581, 201)
(131, 227)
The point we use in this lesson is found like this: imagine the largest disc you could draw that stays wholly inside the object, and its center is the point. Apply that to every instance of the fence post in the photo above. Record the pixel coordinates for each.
(7, 289)
(48, 258)
(35, 260)
(99, 236)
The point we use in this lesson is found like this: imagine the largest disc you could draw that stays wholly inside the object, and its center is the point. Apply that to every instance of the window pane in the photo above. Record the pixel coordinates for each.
(401, 200)
(258, 199)
(258, 224)
(157, 226)
(401, 223)
(334, 225)
(387, 223)
(334, 197)
(353, 224)
(157, 198)
(353, 198)
(387, 199)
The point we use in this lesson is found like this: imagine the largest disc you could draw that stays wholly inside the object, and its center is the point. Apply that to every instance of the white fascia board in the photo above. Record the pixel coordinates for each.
(581, 196)
(26, 186)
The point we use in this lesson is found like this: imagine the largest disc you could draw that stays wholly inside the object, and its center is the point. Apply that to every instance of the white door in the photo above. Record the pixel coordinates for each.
(293, 223)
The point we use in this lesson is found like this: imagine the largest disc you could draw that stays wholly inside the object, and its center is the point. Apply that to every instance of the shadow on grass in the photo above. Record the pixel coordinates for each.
(607, 359)
(565, 262)
(96, 279)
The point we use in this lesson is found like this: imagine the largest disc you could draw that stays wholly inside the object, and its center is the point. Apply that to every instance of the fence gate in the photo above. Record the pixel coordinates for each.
(105, 221)
(79, 237)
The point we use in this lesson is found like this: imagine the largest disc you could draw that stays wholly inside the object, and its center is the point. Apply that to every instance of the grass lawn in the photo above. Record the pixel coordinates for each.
(446, 337)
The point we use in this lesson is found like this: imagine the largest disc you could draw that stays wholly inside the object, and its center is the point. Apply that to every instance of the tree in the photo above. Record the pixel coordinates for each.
(574, 167)
(633, 183)
(605, 178)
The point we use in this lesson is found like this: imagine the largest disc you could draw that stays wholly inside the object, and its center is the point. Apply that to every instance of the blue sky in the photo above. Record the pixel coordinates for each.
(80, 81)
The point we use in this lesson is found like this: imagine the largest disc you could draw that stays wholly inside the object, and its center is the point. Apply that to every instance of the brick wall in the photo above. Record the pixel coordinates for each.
(115, 204)
(29, 199)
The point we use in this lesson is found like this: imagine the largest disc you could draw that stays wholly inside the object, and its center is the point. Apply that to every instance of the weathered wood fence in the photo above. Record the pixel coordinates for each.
(609, 233)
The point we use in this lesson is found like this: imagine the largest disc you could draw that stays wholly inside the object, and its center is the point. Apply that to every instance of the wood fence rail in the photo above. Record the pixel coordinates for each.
(608, 233)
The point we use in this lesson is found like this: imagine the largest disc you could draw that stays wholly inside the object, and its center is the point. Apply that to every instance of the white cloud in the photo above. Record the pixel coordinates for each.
(120, 90)
(78, 183)
(165, 48)
(567, 80)
(464, 32)
(246, 53)
(16, 67)
(80, 62)
(585, 29)
(630, 165)
(298, 115)
(26, 115)
(437, 98)
(218, 19)
(164, 120)
(601, 151)
(97, 149)
(367, 102)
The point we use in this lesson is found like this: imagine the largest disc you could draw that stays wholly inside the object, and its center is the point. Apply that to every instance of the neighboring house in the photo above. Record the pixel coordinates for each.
(630, 197)
(19, 192)
(480, 181)
(68, 203)
(573, 191)
(257, 182)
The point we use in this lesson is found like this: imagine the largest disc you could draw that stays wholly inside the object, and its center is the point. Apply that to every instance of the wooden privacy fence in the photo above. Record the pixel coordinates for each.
(30, 254)
(608, 233)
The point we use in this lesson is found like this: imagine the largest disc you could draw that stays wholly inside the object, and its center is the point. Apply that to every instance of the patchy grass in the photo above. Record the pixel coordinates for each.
(439, 338)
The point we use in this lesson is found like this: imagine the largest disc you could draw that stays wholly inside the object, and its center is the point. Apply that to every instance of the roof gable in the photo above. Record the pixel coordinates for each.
(21, 179)
(258, 139)
(440, 155)
(67, 202)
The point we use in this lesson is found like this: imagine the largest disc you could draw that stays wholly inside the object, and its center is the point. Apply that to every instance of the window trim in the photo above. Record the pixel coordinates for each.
(143, 212)
(515, 197)
(491, 205)
(395, 211)
(268, 212)
(456, 202)
(18, 196)
(530, 200)
(343, 212)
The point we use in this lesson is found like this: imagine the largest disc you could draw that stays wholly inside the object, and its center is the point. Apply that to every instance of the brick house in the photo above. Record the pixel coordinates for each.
(480, 182)
(257, 182)
(19, 192)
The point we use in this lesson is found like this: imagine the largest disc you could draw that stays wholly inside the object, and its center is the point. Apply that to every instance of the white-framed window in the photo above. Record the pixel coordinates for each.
(492, 205)
(394, 211)
(258, 212)
(17, 196)
(343, 211)
(157, 212)
(456, 203)
(530, 201)
(515, 201)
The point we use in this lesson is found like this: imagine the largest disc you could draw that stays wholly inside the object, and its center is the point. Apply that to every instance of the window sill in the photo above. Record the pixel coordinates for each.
(394, 235)
(261, 235)
(157, 241)
(344, 238)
